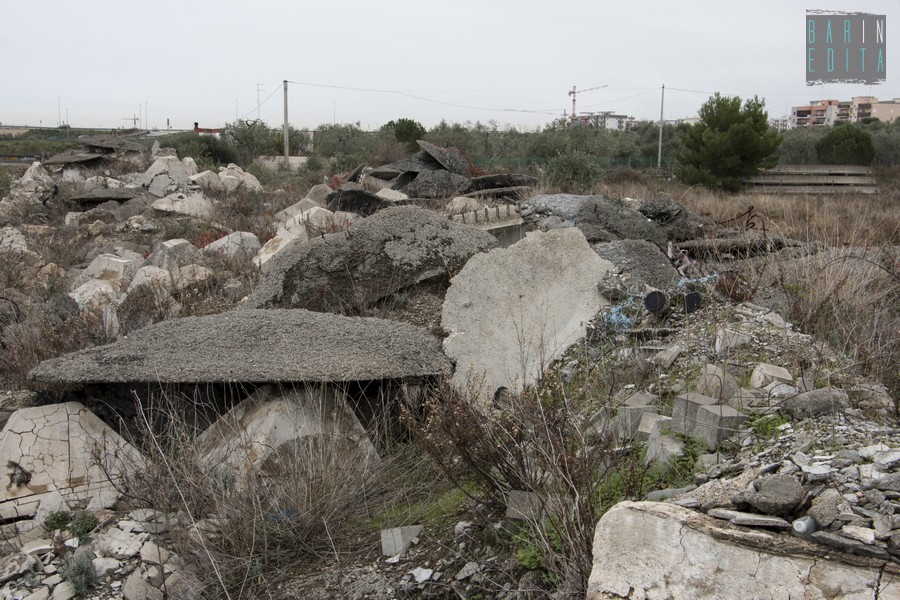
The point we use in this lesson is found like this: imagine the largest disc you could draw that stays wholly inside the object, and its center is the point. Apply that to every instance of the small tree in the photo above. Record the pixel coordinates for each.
(406, 131)
(846, 145)
(730, 143)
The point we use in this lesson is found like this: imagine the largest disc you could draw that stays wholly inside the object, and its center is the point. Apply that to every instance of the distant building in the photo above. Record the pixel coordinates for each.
(828, 113)
(604, 120)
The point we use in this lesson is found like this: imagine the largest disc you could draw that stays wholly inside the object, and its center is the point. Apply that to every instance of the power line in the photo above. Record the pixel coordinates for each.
(422, 98)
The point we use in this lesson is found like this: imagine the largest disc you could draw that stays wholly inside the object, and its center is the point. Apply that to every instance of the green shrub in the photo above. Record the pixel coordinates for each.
(573, 172)
(83, 524)
(58, 520)
(846, 145)
(79, 571)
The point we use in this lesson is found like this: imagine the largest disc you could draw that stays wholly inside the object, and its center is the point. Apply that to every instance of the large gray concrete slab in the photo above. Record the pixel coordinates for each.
(255, 346)
(511, 311)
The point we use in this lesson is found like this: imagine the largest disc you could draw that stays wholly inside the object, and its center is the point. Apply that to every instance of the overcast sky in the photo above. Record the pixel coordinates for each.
(512, 61)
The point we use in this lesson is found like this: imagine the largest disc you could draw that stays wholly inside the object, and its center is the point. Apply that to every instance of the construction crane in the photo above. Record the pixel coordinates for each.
(574, 93)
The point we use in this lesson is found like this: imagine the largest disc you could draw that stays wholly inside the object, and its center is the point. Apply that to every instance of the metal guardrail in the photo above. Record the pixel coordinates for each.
(813, 179)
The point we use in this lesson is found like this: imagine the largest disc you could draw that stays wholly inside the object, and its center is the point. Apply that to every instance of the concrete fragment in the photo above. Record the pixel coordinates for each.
(151, 276)
(649, 422)
(684, 411)
(865, 535)
(749, 519)
(151, 553)
(185, 586)
(664, 359)
(764, 374)
(717, 423)
(171, 254)
(208, 181)
(191, 276)
(192, 204)
(396, 540)
(510, 312)
(63, 591)
(773, 495)
(118, 544)
(391, 195)
(727, 340)
(663, 448)
(16, 565)
(136, 588)
(12, 240)
(273, 429)
(235, 244)
(110, 267)
(716, 382)
(685, 554)
(51, 502)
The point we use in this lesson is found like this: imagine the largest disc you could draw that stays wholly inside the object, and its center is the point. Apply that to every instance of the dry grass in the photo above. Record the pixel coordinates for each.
(317, 498)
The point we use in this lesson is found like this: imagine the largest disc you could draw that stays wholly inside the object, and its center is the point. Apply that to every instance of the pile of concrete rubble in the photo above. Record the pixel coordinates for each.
(797, 473)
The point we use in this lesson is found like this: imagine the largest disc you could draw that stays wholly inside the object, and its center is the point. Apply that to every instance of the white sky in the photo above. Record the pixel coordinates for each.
(193, 60)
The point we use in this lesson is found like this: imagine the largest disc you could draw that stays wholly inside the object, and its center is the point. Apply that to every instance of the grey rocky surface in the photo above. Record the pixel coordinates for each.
(376, 257)
(256, 346)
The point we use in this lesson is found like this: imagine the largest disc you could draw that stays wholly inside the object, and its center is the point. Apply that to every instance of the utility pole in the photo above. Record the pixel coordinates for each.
(258, 90)
(147, 115)
(58, 112)
(287, 160)
(140, 115)
(235, 111)
(662, 103)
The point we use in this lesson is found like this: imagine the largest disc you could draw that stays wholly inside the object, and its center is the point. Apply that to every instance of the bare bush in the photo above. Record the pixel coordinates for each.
(556, 442)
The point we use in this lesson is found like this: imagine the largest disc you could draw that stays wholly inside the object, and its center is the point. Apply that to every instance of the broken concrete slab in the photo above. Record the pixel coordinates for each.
(764, 374)
(357, 201)
(650, 422)
(749, 519)
(503, 222)
(501, 180)
(640, 263)
(449, 158)
(112, 268)
(256, 346)
(208, 181)
(244, 179)
(377, 256)
(297, 208)
(435, 185)
(193, 204)
(686, 554)
(51, 449)
(274, 428)
(511, 311)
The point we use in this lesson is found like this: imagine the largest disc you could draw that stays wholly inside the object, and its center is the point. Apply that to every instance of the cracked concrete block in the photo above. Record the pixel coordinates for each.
(150, 276)
(190, 276)
(112, 268)
(650, 423)
(716, 423)
(684, 411)
(51, 448)
(296, 209)
(136, 588)
(396, 540)
(663, 448)
(686, 554)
